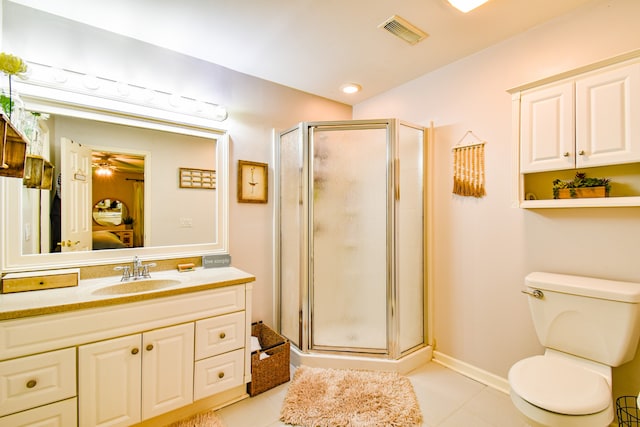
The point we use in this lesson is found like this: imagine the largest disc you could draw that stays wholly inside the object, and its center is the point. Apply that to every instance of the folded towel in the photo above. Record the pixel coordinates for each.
(255, 344)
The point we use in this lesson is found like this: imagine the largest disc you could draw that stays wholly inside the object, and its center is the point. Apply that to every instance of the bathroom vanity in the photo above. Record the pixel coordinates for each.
(116, 353)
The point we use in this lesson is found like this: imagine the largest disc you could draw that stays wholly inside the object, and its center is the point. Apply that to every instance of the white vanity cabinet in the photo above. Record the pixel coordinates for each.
(129, 379)
(586, 121)
(132, 360)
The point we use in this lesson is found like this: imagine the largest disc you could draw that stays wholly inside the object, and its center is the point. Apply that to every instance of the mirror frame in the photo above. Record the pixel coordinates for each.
(82, 105)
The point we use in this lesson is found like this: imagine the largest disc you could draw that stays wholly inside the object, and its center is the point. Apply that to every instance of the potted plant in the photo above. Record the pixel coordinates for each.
(128, 222)
(581, 186)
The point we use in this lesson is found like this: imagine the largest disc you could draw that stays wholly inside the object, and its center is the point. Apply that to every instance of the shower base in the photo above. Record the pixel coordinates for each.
(403, 365)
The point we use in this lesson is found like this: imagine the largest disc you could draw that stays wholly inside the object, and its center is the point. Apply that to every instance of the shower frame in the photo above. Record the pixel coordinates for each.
(304, 341)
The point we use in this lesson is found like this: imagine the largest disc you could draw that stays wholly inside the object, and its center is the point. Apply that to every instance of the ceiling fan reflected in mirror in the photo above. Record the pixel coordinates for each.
(105, 163)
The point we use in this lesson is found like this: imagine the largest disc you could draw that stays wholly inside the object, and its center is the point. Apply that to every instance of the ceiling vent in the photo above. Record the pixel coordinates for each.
(401, 28)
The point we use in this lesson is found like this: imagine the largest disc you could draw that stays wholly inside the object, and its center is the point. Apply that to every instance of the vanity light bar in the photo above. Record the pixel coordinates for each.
(87, 84)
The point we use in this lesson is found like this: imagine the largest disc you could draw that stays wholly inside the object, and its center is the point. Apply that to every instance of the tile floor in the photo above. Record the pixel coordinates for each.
(447, 399)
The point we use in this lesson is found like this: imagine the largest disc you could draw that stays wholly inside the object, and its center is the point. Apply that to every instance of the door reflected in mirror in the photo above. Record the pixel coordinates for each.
(118, 188)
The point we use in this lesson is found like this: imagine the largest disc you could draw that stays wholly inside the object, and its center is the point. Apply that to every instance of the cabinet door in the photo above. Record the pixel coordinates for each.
(167, 369)
(109, 382)
(547, 131)
(607, 117)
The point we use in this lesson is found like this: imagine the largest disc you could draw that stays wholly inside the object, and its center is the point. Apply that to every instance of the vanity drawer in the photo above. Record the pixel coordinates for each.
(217, 374)
(59, 414)
(37, 380)
(220, 334)
(33, 283)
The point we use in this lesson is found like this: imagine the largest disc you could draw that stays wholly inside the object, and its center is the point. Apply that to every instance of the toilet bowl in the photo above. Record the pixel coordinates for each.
(587, 326)
(560, 390)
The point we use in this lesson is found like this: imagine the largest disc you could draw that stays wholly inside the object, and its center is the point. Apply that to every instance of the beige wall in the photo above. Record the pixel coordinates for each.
(484, 248)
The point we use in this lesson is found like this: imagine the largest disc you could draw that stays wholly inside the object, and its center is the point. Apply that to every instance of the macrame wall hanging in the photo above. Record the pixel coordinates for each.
(468, 167)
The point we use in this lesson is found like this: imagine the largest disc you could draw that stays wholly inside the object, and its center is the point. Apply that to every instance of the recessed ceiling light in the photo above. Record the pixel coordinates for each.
(350, 88)
(466, 5)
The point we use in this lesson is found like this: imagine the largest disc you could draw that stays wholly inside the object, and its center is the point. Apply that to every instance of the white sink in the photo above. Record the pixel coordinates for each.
(136, 286)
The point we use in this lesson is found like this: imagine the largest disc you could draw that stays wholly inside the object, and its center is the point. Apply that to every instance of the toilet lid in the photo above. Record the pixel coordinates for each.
(559, 386)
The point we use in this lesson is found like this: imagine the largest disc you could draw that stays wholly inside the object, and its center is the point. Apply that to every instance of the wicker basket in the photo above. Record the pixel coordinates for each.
(268, 372)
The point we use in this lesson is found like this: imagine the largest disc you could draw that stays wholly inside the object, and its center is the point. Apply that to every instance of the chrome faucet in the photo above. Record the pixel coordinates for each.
(137, 267)
(137, 271)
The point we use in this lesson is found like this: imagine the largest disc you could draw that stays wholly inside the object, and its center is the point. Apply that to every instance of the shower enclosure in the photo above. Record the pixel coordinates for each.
(350, 233)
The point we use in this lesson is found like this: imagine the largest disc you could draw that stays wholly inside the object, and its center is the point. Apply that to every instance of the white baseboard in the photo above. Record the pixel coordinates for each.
(480, 375)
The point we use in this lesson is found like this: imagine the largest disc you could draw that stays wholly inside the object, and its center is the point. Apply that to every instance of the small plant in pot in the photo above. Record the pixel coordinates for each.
(128, 222)
(565, 189)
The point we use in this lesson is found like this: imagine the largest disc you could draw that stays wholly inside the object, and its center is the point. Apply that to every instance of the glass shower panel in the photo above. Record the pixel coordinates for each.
(409, 242)
(349, 247)
(291, 228)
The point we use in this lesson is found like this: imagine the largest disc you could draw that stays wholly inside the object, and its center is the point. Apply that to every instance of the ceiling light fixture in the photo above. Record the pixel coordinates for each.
(104, 169)
(350, 88)
(466, 5)
(102, 88)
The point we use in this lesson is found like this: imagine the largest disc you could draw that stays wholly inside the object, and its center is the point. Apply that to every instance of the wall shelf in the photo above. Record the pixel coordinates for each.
(603, 202)
(625, 188)
(13, 151)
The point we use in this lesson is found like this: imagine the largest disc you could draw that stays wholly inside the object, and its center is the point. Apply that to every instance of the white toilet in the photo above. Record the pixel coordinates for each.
(587, 326)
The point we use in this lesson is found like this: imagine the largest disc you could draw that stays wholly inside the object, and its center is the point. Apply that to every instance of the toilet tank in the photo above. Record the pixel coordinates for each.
(591, 318)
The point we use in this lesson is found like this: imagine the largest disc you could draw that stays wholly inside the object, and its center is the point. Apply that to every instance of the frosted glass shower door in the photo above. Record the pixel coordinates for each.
(291, 227)
(349, 222)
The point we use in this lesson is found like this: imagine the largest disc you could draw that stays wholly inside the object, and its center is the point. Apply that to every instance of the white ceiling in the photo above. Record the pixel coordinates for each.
(314, 45)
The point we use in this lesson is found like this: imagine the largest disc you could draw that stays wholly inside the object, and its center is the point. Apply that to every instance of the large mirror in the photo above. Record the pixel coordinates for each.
(169, 219)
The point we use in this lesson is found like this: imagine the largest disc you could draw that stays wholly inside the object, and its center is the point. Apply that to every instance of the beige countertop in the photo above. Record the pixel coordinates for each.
(87, 293)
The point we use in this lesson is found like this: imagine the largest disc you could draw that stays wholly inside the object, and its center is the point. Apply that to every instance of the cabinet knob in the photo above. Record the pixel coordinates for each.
(581, 152)
(222, 335)
(31, 383)
(149, 347)
(220, 375)
(134, 350)
(566, 154)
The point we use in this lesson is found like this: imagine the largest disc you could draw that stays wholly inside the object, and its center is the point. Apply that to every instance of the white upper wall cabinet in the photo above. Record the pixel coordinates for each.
(585, 121)
(584, 118)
